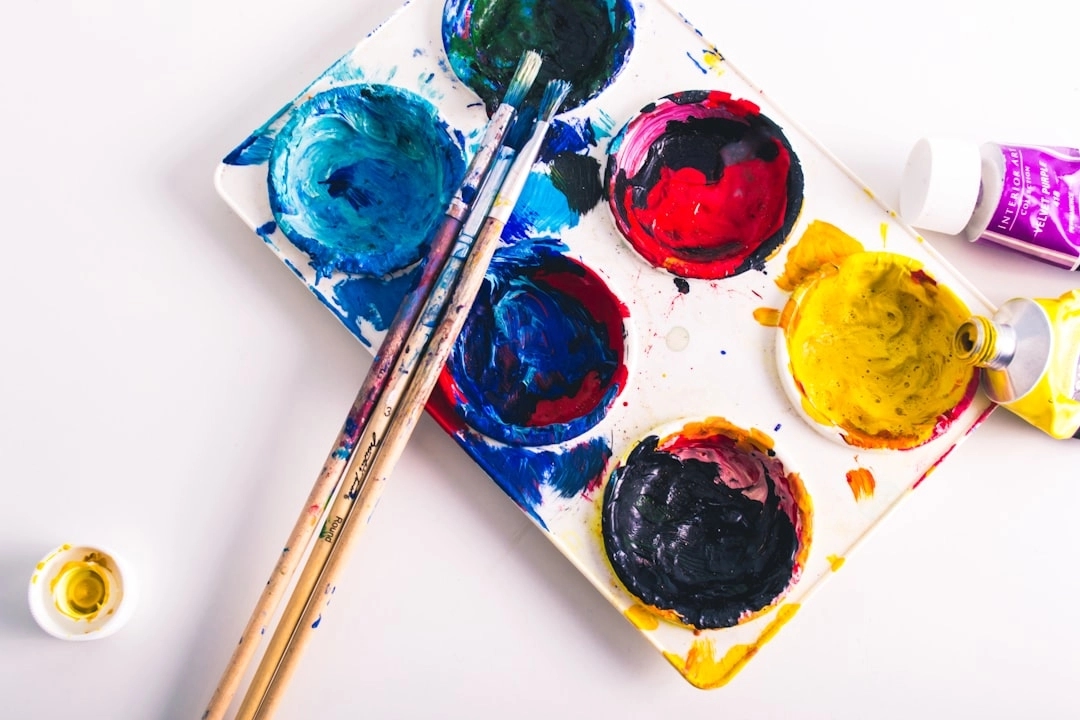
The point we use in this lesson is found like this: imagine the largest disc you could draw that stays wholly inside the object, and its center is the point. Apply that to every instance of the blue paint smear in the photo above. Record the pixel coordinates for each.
(266, 230)
(256, 149)
(775, 429)
(575, 135)
(317, 622)
(521, 472)
(375, 300)
(360, 177)
(542, 209)
(292, 266)
(527, 347)
(699, 65)
(350, 326)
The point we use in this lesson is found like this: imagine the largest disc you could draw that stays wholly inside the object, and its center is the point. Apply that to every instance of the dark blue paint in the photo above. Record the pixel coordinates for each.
(699, 65)
(573, 135)
(533, 366)
(521, 472)
(775, 429)
(360, 177)
(375, 300)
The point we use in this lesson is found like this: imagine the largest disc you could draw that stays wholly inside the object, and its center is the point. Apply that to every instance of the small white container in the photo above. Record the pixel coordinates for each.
(82, 592)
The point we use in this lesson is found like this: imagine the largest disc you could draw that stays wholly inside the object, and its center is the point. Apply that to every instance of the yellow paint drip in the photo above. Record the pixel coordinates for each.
(704, 670)
(642, 617)
(769, 317)
(835, 562)
(81, 588)
(821, 248)
(862, 483)
(884, 234)
(870, 344)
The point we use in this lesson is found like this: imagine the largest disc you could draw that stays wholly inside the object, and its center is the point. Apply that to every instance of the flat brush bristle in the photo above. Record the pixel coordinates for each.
(519, 132)
(524, 77)
(554, 95)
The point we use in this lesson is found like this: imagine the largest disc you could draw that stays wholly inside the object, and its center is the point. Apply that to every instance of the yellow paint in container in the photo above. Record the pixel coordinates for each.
(1030, 355)
(80, 592)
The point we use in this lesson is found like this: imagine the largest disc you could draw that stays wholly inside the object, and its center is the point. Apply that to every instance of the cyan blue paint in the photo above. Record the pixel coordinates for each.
(255, 150)
(360, 176)
(521, 472)
(541, 210)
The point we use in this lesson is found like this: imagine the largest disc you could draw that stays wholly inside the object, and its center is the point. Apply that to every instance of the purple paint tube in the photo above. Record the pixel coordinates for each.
(1023, 197)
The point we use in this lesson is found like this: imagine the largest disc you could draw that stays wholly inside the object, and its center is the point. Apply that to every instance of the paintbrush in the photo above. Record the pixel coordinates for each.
(403, 402)
(326, 485)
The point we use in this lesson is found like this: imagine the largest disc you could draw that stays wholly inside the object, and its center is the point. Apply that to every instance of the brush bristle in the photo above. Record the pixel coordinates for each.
(520, 130)
(524, 77)
(554, 95)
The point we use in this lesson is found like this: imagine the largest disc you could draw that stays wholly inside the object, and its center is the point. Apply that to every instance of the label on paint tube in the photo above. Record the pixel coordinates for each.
(1038, 212)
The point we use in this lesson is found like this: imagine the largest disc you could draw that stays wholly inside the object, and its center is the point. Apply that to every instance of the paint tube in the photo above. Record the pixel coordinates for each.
(1022, 197)
(1030, 355)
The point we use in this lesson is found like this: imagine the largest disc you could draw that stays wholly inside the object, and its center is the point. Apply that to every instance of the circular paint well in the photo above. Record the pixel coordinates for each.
(866, 352)
(702, 522)
(703, 185)
(541, 357)
(361, 175)
(585, 42)
(79, 592)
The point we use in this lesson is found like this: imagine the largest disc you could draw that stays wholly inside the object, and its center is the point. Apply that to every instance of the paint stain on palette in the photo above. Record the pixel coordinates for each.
(666, 301)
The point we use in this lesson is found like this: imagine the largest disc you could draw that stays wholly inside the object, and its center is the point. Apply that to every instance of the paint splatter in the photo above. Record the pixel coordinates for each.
(704, 670)
(769, 317)
(256, 149)
(835, 562)
(642, 617)
(540, 357)
(706, 523)
(862, 483)
(585, 42)
(869, 337)
(703, 185)
(522, 472)
(360, 176)
(682, 286)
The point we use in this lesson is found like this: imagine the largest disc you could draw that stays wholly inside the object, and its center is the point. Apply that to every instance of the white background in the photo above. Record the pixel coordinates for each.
(169, 389)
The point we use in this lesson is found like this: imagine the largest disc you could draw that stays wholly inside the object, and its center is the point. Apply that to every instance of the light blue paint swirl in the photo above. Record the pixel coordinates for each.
(360, 177)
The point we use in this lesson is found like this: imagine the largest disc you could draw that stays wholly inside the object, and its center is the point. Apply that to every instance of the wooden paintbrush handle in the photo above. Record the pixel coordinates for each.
(403, 418)
(336, 463)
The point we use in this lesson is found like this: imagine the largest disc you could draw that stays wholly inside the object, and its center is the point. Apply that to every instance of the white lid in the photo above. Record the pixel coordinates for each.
(82, 592)
(940, 185)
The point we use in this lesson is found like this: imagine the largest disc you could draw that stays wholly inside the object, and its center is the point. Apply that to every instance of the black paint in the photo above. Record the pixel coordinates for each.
(578, 178)
(681, 538)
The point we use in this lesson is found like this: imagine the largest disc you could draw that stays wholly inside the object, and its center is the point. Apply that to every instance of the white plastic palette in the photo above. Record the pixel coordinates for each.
(688, 355)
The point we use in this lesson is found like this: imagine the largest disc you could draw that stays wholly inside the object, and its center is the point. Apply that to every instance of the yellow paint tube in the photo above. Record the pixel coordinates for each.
(1030, 355)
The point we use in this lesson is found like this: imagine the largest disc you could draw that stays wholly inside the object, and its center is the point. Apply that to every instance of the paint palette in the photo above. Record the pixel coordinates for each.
(647, 370)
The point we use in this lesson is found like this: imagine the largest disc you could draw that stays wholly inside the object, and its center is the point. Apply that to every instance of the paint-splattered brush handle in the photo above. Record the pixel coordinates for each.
(389, 353)
(436, 332)
(370, 436)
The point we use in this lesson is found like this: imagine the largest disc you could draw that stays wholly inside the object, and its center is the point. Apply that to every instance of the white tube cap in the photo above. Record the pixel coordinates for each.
(82, 592)
(940, 185)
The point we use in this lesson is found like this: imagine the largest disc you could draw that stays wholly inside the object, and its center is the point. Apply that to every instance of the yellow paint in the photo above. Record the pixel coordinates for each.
(642, 617)
(869, 193)
(769, 317)
(821, 248)
(835, 562)
(713, 61)
(862, 483)
(704, 670)
(884, 234)
(81, 588)
(1050, 405)
(870, 342)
